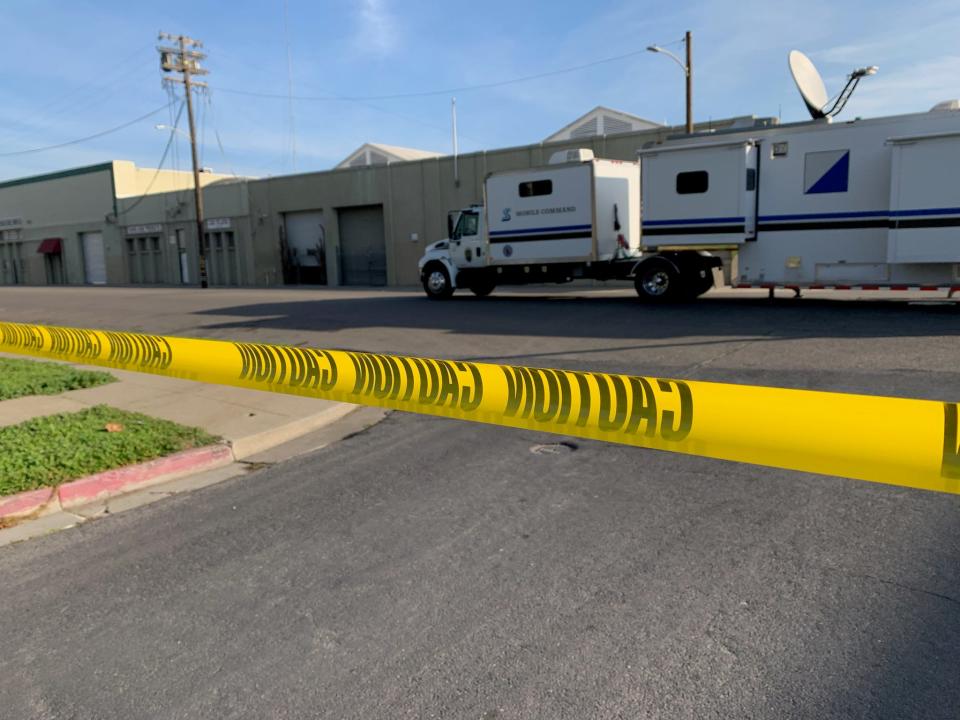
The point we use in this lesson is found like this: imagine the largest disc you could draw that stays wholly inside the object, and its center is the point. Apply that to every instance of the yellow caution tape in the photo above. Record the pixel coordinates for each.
(912, 443)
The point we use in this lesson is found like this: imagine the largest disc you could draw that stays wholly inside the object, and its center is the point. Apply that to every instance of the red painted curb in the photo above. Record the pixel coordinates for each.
(119, 480)
(125, 479)
(24, 503)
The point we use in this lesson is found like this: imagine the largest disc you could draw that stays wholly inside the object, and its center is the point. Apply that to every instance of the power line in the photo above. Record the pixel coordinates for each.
(68, 99)
(163, 159)
(88, 137)
(429, 93)
(211, 111)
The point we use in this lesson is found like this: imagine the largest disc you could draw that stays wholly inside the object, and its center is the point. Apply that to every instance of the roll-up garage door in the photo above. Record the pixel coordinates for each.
(94, 261)
(363, 252)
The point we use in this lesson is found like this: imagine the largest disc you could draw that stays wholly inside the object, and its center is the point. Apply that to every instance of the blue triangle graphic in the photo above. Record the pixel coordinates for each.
(835, 179)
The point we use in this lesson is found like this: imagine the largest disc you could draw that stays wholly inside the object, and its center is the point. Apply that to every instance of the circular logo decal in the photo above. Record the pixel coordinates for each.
(507, 251)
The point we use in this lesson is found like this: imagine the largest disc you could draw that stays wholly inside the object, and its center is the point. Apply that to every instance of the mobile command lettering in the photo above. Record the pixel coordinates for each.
(863, 204)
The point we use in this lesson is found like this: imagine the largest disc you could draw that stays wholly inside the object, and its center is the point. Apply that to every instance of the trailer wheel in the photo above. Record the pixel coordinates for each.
(483, 287)
(436, 282)
(657, 281)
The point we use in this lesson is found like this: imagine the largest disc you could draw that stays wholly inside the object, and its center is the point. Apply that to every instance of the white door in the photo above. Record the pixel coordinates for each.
(94, 261)
(466, 242)
(184, 258)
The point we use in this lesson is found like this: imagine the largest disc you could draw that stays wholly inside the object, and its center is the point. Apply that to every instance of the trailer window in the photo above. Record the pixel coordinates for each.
(690, 183)
(751, 179)
(532, 188)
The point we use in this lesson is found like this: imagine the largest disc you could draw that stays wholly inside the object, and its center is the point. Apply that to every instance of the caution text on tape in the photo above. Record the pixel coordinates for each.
(913, 443)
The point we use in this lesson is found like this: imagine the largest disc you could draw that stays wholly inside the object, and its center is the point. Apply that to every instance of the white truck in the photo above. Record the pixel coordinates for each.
(578, 217)
(864, 204)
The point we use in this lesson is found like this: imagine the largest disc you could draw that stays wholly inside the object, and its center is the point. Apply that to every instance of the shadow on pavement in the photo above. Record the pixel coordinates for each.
(604, 317)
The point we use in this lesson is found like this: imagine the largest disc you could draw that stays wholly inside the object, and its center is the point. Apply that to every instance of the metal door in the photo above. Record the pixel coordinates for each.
(363, 252)
(94, 260)
(306, 259)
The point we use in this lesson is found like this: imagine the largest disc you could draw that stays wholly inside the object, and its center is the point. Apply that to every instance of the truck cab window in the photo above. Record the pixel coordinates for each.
(468, 225)
(532, 188)
(690, 183)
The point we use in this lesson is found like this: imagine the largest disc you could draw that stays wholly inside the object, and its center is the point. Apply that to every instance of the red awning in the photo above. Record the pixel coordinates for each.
(50, 246)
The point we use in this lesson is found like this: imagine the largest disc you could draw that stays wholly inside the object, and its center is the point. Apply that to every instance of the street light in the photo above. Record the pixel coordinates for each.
(687, 73)
(171, 128)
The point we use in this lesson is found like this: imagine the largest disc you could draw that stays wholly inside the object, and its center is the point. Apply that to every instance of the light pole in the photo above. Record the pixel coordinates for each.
(687, 68)
(171, 128)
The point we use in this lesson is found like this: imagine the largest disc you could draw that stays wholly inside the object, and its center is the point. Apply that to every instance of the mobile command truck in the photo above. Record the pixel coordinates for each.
(578, 217)
(863, 204)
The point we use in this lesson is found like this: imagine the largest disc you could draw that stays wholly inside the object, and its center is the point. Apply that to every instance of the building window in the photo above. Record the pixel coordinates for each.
(533, 188)
(693, 182)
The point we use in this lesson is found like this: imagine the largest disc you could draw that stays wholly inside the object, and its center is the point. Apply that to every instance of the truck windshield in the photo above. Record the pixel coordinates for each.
(467, 226)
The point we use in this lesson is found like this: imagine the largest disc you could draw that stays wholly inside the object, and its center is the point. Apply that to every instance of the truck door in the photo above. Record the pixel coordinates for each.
(695, 194)
(924, 199)
(466, 241)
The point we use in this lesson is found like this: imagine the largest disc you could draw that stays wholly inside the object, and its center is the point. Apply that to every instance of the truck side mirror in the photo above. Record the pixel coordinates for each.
(449, 225)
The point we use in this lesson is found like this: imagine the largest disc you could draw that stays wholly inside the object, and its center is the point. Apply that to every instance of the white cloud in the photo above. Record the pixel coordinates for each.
(377, 31)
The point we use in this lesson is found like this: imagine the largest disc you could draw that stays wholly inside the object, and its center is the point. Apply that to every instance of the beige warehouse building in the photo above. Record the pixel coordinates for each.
(364, 224)
(69, 227)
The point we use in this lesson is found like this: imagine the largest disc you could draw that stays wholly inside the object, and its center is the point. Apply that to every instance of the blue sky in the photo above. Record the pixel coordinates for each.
(76, 68)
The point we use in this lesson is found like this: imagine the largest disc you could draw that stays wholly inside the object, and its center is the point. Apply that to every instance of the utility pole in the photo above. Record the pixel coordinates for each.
(687, 68)
(184, 60)
(689, 73)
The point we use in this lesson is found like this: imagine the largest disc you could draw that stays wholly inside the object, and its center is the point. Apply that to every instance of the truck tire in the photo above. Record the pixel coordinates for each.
(657, 281)
(482, 287)
(436, 282)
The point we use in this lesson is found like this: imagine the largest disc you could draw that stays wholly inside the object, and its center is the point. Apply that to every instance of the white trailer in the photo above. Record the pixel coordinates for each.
(578, 217)
(863, 204)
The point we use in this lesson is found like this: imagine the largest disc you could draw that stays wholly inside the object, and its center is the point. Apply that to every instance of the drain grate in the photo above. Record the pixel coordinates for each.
(552, 448)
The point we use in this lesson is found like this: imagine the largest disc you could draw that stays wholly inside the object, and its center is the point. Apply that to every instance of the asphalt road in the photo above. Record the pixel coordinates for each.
(432, 568)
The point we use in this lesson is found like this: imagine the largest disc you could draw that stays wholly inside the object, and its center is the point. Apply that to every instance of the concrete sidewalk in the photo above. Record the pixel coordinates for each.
(251, 421)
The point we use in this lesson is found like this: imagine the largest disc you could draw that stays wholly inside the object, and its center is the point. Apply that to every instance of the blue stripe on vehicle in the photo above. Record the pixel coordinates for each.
(928, 211)
(560, 228)
(694, 221)
(810, 216)
(828, 216)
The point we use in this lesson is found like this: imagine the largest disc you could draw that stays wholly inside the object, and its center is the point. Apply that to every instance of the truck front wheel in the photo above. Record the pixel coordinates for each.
(436, 282)
(657, 281)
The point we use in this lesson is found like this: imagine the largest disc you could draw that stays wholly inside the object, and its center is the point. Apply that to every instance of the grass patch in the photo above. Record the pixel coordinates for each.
(31, 377)
(49, 450)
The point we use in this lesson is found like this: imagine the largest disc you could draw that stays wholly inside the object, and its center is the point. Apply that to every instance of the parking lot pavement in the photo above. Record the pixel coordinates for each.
(433, 568)
(829, 340)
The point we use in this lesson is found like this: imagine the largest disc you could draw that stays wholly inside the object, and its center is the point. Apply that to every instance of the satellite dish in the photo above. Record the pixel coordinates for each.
(809, 83)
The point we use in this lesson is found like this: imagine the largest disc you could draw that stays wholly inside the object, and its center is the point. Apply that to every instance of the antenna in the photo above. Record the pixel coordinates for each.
(814, 92)
(456, 142)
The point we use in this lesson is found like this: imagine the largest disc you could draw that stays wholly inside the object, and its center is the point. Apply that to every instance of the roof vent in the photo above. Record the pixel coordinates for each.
(565, 156)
